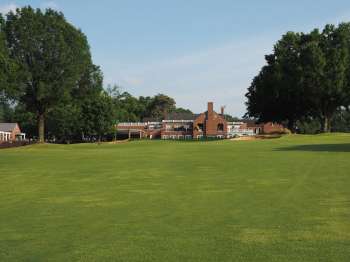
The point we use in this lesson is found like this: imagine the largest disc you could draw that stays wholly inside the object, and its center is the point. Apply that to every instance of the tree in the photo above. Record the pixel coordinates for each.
(265, 97)
(7, 66)
(341, 120)
(161, 106)
(64, 123)
(51, 56)
(306, 77)
(6, 111)
(128, 108)
(132, 109)
(276, 93)
(331, 93)
(97, 115)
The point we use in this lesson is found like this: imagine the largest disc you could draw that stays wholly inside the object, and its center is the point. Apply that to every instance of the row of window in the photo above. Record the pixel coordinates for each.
(179, 137)
(178, 127)
(176, 137)
(200, 127)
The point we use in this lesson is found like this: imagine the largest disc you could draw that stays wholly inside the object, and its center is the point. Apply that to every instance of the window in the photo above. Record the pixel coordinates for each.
(220, 127)
(200, 127)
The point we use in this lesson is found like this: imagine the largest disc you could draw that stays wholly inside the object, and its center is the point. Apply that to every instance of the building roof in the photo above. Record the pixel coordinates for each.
(251, 122)
(150, 119)
(180, 116)
(7, 127)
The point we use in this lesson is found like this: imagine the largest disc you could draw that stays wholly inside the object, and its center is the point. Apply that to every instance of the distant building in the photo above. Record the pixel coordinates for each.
(240, 129)
(208, 124)
(11, 132)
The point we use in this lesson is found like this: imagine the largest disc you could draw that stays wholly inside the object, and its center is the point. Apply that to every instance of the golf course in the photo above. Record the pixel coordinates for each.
(285, 199)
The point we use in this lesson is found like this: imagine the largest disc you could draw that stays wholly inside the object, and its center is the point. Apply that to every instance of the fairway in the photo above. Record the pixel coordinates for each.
(284, 199)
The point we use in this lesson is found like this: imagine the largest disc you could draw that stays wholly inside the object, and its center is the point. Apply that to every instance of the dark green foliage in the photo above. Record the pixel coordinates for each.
(6, 111)
(27, 120)
(96, 116)
(182, 110)
(128, 108)
(161, 106)
(64, 123)
(341, 121)
(51, 56)
(275, 94)
(309, 126)
(7, 66)
(88, 114)
(306, 77)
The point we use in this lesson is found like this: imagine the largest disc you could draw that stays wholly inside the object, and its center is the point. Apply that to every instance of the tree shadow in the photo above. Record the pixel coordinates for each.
(318, 148)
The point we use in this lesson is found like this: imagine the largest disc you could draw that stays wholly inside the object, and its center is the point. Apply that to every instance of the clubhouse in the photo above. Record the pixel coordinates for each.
(208, 124)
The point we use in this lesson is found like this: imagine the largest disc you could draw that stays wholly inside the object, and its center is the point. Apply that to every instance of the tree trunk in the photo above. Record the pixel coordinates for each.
(291, 126)
(326, 125)
(41, 127)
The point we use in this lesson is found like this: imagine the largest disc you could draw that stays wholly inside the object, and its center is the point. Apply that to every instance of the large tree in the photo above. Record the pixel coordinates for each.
(51, 55)
(7, 66)
(332, 91)
(306, 77)
(276, 93)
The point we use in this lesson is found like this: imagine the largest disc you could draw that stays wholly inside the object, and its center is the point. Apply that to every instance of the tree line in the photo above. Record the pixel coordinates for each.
(49, 84)
(305, 83)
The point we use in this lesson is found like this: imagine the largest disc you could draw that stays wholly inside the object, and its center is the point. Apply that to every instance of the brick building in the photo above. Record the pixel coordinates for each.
(10, 132)
(208, 124)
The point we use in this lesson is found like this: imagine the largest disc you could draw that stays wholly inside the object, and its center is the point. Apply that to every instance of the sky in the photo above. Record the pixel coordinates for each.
(192, 50)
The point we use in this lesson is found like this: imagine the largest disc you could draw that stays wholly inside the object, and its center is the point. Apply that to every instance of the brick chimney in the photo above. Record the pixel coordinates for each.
(222, 110)
(210, 108)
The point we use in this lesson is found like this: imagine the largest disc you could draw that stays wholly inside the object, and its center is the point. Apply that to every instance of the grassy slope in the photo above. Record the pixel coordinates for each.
(274, 200)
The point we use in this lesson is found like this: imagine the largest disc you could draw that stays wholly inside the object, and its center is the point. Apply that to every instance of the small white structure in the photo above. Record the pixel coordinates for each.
(239, 129)
(5, 136)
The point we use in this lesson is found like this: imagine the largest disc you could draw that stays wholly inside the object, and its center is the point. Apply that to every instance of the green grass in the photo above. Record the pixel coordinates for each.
(282, 199)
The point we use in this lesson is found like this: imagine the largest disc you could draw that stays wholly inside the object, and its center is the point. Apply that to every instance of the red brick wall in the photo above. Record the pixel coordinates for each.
(210, 121)
(270, 128)
(199, 120)
(211, 127)
(15, 132)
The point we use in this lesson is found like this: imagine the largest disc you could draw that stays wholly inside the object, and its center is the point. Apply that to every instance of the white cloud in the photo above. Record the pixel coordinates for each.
(5, 8)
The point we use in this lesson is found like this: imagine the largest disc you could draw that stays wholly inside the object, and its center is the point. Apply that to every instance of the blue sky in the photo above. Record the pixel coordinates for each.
(194, 51)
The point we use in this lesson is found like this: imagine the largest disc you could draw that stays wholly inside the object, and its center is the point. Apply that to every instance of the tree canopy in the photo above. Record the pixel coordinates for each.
(306, 77)
(51, 56)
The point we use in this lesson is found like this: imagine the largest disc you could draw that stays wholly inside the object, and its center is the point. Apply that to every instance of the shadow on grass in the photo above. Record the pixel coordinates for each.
(318, 148)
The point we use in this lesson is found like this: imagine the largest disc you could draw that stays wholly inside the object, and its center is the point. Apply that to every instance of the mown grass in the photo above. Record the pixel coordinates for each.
(284, 199)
